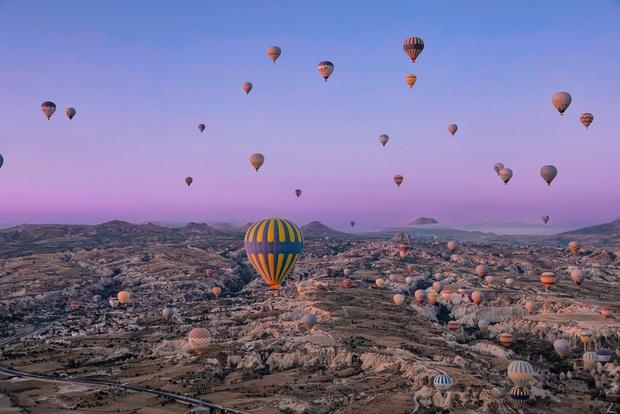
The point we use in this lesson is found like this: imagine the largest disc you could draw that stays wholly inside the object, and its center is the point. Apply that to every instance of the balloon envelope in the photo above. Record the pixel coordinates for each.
(505, 175)
(561, 101)
(452, 128)
(48, 108)
(257, 160)
(189, 180)
(325, 69)
(123, 296)
(70, 112)
(274, 53)
(413, 46)
(411, 79)
(383, 139)
(498, 167)
(548, 173)
(201, 127)
(247, 87)
(298, 193)
(586, 119)
(398, 179)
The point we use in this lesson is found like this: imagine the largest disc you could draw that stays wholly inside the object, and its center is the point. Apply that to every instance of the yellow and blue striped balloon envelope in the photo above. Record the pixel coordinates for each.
(273, 246)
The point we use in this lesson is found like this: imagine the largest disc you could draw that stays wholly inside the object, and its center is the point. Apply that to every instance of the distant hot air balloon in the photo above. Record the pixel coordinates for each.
(413, 46)
(443, 383)
(352, 224)
(509, 282)
(1, 160)
(346, 283)
(70, 112)
(432, 297)
(217, 291)
(274, 53)
(114, 302)
(586, 339)
(520, 395)
(379, 282)
(399, 299)
(383, 139)
(574, 247)
(420, 295)
(505, 175)
(201, 127)
(483, 324)
(548, 173)
(437, 286)
(520, 372)
(247, 87)
(123, 297)
(604, 356)
(409, 280)
(398, 179)
(189, 181)
(198, 339)
(577, 276)
(545, 219)
(531, 307)
(273, 247)
(298, 193)
(346, 272)
(48, 108)
(498, 167)
(489, 280)
(300, 289)
(402, 250)
(257, 160)
(410, 268)
(590, 359)
(605, 311)
(548, 279)
(97, 298)
(477, 297)
(481, 270)
(446, 294)
(586, 119)
(561, 101)
(453, 325)
(325, 69)
(561, 346)
(209, 272)
(168, 312)
(308, 321)
(411, 79)
(452, 128)
(451, 245)
(506, 339)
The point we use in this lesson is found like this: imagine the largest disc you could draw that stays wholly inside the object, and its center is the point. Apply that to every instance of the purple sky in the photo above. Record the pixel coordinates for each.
(142, 78)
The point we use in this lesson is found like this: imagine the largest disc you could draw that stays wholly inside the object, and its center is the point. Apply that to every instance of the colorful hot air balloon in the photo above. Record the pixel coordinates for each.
(201, 127)
(411, 79)
(451, 245)
(198, 339)
(398, 179)
(420, 295)
(489, 280)
(561, 346)
(209, 272)
(298, 193)
(346, 283)
(443, 382)
(505, 175)
(586, 119)
(217, 291)
(477, 297)
(70, 112)
(273, 247)
(399, 299)
(189, 181)
(257, 160)
(561, 101)
(352, 223)
(48, 108)
(548, 173)
(308, 321)
(481, 270)
(247, 87)
(325, 69)
(603, 356)
(413, 46)
(548, 279)
(410, 268)
(605, 311)
(574, 247)
(531, 307)
(506, 339)
(383, 139)
(520, 372)
(520, 395)
(577, 276)
(432, 297)
(452, 128)
(437, 286)
(590, 359)
(586, 339)
(274, 53)
(402, 250)
(123, 297)
(446, 294)
(168, 312)
(498, 167)
(509, 282)
(545, 219)
(379, 282)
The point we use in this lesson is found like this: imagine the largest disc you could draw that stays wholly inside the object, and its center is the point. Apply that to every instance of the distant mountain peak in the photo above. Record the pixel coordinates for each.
(422, 221)
(318, 229)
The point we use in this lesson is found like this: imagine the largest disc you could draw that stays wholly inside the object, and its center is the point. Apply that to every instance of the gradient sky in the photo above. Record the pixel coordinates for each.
(142, 75)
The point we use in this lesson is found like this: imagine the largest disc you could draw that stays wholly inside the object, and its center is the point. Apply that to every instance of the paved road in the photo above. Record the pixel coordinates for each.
(212, 408)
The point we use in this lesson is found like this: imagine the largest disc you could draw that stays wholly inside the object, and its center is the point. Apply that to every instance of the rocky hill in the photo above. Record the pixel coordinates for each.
(317, 229)
(421, 221)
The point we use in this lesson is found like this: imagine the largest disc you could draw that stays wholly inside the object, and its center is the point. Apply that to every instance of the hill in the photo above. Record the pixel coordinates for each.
(603, 234)
(420, 221)
(316, 229)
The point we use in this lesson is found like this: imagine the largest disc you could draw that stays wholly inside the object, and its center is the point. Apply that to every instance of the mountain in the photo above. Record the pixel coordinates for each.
(603, 234)
(420, 221)
(316, 229)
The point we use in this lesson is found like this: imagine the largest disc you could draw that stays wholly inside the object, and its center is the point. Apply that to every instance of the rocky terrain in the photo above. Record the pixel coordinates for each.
(364, 355)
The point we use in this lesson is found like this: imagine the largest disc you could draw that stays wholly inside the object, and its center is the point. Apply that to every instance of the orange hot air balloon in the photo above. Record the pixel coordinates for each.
(574, 247)
(403, 249)
(605, 311)
(420, 295)
(346, 283)
(398, 179)
(432, 297)
(477, 297)
(446, 293)
(586, 119)
(481, 270)
(210, 272)
(410, 268)
(217, 291)
(379, 282)
(548, 279)
(586, 339)
(123, 297)
(198, 339)
(411, 79)
(506, 339)
(453, 325)
(257, 160)
(274, 53)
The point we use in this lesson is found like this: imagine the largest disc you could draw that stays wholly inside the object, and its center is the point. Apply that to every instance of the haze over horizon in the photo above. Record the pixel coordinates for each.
(141, 80)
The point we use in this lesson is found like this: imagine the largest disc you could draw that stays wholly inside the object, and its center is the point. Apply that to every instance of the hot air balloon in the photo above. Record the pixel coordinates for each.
(577, 276)
(217, 291)
(198, 339)
(477, 297)
(413, 46)
(561, 346)
(605, 311)
(411, 79)
(548, 279)
(483, 324)
(446, 294)
(452, 128)
(548, 173)
(420, 295)
(274, 53)
(410, 268)
(603, 356)
(346, 283)
(308, 321)
(209, 272)
(489, 280)
(443, 383)
(432, 297)
(398, 179)
(531, 307)
(520, 372)
(399, 299)
(383, 139)
(123, 297)
(352, 224)
(409, 280)
(506, 339)
(247, 87)
(70, 112)
(325, 69)
(1, 160)
(402, 250)
(574, 247)
(520, 395)
(561, 101)
(379, 282)
(114, 302)
(586, 119)
(453, 325)
(505, 175)
(168, 312)
(97, 298)
(189, 181)
(201, 127)
(300, 289)
(509, 282)
(590, 359)
(451, 245)
(437, 286)
(498, 167)
(273, 246)
(586, 339)
(481, 270)
(257, 160)
(346, 272)
(298, 193)
(545, 219)
(48, 108)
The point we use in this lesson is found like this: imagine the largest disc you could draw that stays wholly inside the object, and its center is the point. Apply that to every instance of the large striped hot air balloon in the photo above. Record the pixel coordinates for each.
(505, 174)
(346, 283)
(548, 173)
(273, 247)
(413, 46)
(198, 339)
(604, 356)
(432, 297)
(520, 395)
(443, 382)
(520, 372)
